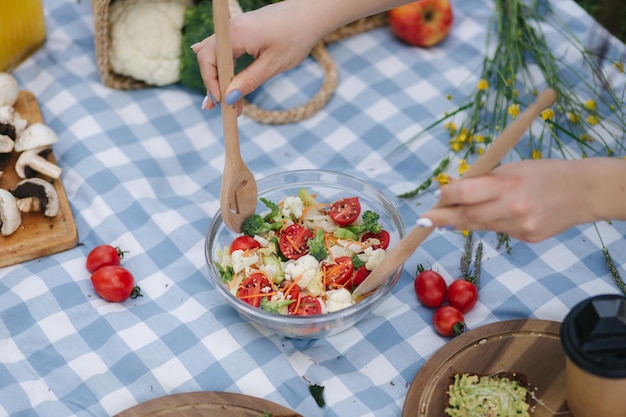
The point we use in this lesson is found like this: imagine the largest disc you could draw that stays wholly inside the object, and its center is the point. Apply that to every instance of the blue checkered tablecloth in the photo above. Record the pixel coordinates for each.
(142, 170)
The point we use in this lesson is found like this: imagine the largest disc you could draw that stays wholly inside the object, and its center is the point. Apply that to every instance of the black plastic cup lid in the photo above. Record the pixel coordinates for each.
(593, 335)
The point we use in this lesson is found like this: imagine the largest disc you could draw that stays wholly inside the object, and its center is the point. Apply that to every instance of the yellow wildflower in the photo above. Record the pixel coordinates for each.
(482, 84)
(479, 139)
(451, 128)
(547, 114)
(480, 151)
(455, 145)
(465, 233)
(590, 104)
(463, 166)
(573, 118)
(442, 178)
(515, 93)
(593, 120)
(514, 110)
(619, 66)
(535, 154)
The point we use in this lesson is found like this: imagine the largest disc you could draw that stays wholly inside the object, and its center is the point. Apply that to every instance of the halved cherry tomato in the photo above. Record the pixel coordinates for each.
(463, 295)
(103, 255)
(382, 237)
(244, 243)
(449, 321)
(293, 293)
(430, 287)
(338, 273)
(251, 289)
(114, 283)
(359, 276)
(308, 306)
(345, 211)
(293, 241)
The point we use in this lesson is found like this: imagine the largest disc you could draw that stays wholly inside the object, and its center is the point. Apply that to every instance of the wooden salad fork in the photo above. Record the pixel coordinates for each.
(483, 165)
(238, 195)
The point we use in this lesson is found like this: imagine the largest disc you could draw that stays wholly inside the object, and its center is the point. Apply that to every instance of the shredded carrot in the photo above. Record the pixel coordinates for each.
(293, 245)
(295, 281)
(297, 304)
(269, 294)
(312, 206)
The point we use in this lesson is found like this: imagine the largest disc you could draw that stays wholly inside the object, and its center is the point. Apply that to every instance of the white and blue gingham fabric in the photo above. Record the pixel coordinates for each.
(142, 170)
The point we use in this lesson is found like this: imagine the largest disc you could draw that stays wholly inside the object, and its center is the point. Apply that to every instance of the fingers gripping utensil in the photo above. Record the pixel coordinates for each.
(238, 196)
(498, 149)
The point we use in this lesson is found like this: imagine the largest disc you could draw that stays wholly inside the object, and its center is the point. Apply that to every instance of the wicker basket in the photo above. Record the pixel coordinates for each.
(319, 53)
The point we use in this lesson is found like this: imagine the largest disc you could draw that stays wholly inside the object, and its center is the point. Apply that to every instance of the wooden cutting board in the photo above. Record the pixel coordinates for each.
(38, 235)
(208, 404)
(532, 347)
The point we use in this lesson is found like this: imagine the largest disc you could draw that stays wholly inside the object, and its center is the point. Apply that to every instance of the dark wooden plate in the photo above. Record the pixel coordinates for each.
(532, 347)
(208, 404)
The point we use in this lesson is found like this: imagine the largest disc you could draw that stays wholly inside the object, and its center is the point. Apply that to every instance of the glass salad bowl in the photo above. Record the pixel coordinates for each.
(328, 187)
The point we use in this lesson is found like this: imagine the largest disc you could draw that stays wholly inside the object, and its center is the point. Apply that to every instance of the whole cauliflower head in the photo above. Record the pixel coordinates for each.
(145, 39)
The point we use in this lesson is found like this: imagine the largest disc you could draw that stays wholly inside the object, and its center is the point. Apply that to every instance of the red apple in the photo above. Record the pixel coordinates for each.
(422, 23)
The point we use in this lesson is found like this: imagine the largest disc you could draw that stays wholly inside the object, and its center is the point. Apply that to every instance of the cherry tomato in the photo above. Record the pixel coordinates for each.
(114, 283)
(430, 287)
(251, 288)
(338, 273)
(382, 237)
(244, 243)
(308, 306)
(103, 255)
(463, 295)
(359, 276)
(345, 211)
(293, 241)
(449, 321)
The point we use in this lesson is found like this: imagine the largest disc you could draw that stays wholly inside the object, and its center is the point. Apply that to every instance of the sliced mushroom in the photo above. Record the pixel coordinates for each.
(36, 135)
(36, 194)
(9, 89)
(10, 216)
(10, 116)
(6, 145)
(34, 161)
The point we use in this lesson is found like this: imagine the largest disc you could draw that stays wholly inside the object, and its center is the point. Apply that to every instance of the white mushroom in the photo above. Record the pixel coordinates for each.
(10, 216)
(36, 135)
(36, 194)
(34, 160)
(10, 116)
(9, 89)
(6, 146)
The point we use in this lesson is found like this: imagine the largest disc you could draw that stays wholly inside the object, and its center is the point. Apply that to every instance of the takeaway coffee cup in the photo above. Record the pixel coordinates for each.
(593, 336)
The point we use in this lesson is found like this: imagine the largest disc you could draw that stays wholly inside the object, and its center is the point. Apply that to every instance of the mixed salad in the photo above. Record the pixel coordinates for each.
(302, 257)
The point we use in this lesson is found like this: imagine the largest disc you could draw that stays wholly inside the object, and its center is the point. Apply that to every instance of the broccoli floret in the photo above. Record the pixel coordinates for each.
(274, 306)
(317, 246)
(256, 225)
(370, 224)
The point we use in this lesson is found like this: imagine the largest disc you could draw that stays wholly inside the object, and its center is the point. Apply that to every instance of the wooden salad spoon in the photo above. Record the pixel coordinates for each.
(483, 165)
(238, 196)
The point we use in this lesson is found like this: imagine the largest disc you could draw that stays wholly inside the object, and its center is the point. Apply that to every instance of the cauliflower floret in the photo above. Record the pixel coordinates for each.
(292, 206)
(371, 257)
(145, 39)
(305, 267)
(338, 299)
(241, 262)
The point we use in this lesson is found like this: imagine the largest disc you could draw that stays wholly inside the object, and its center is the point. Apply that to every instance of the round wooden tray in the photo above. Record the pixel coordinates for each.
(532, 347)
(208, 404)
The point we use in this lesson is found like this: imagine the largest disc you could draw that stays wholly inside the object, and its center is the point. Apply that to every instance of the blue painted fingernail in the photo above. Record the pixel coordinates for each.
(446, 228)
(233, 96)
(205, 100)
(424, 223)
(437, 193)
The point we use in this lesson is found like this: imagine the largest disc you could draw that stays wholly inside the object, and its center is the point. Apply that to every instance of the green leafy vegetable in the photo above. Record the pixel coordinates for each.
(317, 391)
(274, 306)
(370, 224)
(317, 246)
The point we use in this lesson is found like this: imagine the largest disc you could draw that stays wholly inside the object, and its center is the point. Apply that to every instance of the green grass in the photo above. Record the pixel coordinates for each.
(610, 13)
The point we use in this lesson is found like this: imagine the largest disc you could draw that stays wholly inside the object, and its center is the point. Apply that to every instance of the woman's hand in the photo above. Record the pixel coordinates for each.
(529, 200)
(274, 35)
